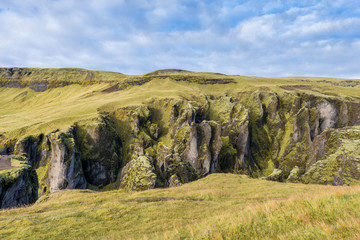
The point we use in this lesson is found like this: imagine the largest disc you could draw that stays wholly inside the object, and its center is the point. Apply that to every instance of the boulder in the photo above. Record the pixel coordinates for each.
(276, 175)
(138, 175)
(294, 176)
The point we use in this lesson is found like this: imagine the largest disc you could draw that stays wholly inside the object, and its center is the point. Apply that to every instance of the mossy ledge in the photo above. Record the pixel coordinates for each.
(18, 184)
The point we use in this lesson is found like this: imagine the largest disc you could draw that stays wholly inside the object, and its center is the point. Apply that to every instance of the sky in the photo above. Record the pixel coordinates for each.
(254, 38)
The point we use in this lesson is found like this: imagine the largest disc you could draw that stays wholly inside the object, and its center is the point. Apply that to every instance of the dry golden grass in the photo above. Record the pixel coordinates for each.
(220, 206)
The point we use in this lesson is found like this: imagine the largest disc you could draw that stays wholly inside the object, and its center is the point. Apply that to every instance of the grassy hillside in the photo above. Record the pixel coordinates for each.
(220, 206)
(25, 111)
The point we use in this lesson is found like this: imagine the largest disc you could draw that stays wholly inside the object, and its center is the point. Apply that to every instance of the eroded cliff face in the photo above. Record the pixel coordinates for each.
(291, 130)
(18, 185)
(182, 138)
(335, 158)
(86, 155)
(100, 150)
(64, 170)
(169, 142)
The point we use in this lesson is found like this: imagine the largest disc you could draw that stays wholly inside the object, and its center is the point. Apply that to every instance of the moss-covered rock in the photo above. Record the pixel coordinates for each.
(138, 175)
(276, 175)
(31, 147)
(336, 158)
(164, 157)
(174, 181)
(183, 170)
(251, 132)
(19, 184)
(294, 176)
(100, 150)
(227, 156)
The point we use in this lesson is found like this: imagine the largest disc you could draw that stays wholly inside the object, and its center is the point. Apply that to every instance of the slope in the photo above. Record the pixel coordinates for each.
(218, 206)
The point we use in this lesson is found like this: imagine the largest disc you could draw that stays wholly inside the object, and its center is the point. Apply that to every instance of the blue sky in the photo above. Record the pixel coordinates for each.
(255, 38)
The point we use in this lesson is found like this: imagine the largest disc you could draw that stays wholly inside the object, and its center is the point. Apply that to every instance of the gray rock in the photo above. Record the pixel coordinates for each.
(20, 189)
(276, 175)
(294, 175)
(65, 170)
(100, 151)
(328, 115)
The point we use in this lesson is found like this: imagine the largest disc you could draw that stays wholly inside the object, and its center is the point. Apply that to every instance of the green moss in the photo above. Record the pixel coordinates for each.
(19, 163)
(294, 175)
(185, 172)
(151, 151)
(139, 175)
(298, 155)
(276, 175)
(227, 156)
(174, 181)
(42, 173)
(269, 169)
(203, 153)
(6, 142)
(340, 163)
(181, 138)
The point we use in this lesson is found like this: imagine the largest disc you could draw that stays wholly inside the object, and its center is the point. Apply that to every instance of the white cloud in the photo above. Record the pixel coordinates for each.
(223, 36)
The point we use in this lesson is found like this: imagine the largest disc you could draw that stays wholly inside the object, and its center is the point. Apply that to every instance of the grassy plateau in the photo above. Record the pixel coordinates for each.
(25, 112)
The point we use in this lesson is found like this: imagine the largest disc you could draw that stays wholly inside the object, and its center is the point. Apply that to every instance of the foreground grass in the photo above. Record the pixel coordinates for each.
(220, 206)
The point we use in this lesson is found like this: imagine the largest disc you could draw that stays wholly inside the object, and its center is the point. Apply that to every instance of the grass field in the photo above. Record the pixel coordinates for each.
(220, 206)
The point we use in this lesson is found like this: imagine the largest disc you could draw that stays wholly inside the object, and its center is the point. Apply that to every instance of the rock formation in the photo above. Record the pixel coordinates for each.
(18, 184)
(293, 137)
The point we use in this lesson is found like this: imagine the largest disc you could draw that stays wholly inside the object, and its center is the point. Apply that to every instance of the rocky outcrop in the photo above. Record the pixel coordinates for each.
(18, 185)
(138, 175)
(65, 170)
(301, 134)
(276, 175)
(232, 120)
(100, 151)
(197, 145)
(294, 176)
(31, 147)
(87, 154)
(183, 138)
(169, 142)
(336, 157)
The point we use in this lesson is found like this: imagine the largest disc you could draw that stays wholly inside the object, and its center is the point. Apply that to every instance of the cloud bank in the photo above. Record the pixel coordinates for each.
(257, 38)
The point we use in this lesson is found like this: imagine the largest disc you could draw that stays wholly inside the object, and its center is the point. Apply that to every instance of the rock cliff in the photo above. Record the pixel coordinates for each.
(288, 136)
(18, 183)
